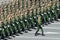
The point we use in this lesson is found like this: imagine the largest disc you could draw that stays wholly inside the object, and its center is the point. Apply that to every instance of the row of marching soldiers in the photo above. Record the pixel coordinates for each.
(22, 15)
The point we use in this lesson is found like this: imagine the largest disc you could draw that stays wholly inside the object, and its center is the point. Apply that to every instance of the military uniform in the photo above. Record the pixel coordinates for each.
(39, 26)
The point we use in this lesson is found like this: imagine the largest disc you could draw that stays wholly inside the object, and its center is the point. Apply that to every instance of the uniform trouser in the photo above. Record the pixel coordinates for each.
(47, 18)
(35, 19)
(39, 27)
(18, 27)
(3, 34)
(14, 28)
(58, 12)
(52, 16)
(23, 26)
(31, 22)
(10, 30)
(44, 19)
(26, 23)
(6, 32)
(56, 16)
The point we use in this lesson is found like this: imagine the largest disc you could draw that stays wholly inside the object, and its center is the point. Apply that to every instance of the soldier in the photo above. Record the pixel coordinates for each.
(42, 14)
(9, 26)
(46, 13)
(7, 33)
(57, 8)
(26, 15)
(2, 33)
(48, 10)
(4, 23)
(39, 26)
(13, 25)
(31, 21)
(21, 20)
(16, 21)
(21, 17)
(54, 11)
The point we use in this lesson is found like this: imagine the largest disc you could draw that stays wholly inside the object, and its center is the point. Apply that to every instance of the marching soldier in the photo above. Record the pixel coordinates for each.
(9, 26)
(47, 15)
(16, 21)
(13, 25)
(57, 9)
(55, 16)
(43, 18)
(39, 26)
(48, 10)
(2, 34)
(26, 15)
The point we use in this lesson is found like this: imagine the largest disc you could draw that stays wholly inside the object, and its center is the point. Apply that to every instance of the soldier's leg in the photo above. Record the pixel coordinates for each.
(3, 36)
(10, 30)
(52, 17)
(48, 19)
(25, 28)
(36, 33)
(42, 31)
(18, 27)
(56, 16)
(44, 18)
(28, 26)
(58, 12)
(39, 27)
(32, 23)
